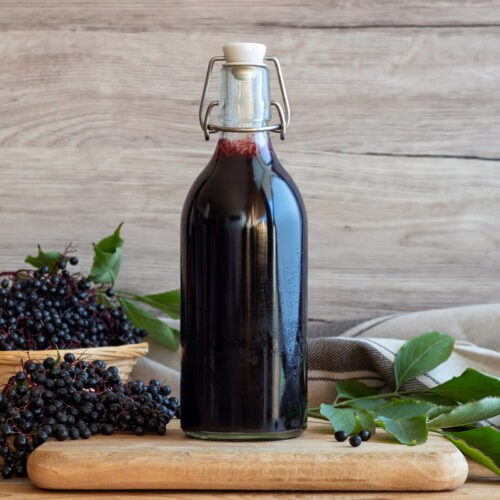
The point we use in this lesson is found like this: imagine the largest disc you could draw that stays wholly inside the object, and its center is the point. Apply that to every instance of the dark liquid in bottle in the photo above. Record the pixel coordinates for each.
(244, 296)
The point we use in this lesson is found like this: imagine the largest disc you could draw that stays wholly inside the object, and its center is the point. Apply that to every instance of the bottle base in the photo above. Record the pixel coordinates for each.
(244, 436)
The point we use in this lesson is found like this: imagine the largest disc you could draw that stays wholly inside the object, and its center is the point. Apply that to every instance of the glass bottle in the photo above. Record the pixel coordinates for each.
(243, 270)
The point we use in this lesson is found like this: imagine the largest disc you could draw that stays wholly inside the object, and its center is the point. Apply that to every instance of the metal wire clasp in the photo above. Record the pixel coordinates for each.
(210, 128)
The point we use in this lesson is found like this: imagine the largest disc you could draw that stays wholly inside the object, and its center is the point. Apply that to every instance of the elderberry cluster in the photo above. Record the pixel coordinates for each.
(45, 309)
(74, 400)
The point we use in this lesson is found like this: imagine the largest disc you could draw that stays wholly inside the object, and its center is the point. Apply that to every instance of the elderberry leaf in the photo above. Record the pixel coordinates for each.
(471, 385)
(368, 403)
(106, 266)
(405, 408)
(421, 354)
(110, 243)
(353, 389)
(49, 259)
(482, 444)
(434, 398)
(468, 413)
(365, 421)
(439, 410)
(107, 258)
(409, 431)
(342, 419)
(168, 302)
(156, 329)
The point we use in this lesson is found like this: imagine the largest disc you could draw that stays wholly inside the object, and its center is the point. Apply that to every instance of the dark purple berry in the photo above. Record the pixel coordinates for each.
(49, 363)
(7, 472)
(61, 434)
(20, 442)
(6, 430)
(355, 440)
(40, 437)
(107, 429)
(341, 435)
(69, 357)
(74, 433)
(365, 435)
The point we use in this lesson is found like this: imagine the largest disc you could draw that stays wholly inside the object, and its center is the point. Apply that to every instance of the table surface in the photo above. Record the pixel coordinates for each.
(474, 489)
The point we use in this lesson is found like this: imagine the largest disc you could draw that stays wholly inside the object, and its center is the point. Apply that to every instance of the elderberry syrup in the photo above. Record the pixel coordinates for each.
(244, 271)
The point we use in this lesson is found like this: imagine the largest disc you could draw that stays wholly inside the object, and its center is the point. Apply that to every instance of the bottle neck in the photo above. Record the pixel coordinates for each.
(249, 145)
(244, 97)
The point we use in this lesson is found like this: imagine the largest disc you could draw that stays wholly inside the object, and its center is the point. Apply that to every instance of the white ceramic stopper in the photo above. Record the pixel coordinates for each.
(244, 53)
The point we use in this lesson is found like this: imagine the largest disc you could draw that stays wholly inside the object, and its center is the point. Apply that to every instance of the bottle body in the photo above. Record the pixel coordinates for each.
(243, 297)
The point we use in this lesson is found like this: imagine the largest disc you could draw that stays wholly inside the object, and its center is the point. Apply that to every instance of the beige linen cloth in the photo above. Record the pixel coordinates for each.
(365, 350)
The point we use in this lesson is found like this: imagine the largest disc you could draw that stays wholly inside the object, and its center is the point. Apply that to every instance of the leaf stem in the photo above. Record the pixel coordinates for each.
(349, 402)
(314, 414)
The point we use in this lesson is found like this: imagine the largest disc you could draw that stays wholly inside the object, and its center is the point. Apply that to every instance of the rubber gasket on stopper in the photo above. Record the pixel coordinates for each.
(244, 53)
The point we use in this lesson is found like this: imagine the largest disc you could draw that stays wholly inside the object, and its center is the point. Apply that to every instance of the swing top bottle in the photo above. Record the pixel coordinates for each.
(243, 269)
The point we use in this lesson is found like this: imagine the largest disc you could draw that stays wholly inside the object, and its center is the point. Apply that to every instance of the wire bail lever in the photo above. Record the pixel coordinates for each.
(205, 110)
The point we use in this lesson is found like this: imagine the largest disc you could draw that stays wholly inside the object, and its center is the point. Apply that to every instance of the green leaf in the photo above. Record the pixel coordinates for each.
(364, 421)
(110, 243)
(435, 399)
(156, 329)
(468, 386)
(368, 403)
(408, 431)
(483, 445)
(342, 419)
(49, 259)
(439, 410)
(352, 389)
(405, 408)
(107, 258)
(468, 413)
(106, 266)
(58, 359)
(421, 354)
(168, 302)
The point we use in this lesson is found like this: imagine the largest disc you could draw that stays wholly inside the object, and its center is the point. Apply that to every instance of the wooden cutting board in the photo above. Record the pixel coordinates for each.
(314, 461)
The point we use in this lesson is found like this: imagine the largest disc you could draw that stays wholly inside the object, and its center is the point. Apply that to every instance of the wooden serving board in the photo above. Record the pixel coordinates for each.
(314, 461)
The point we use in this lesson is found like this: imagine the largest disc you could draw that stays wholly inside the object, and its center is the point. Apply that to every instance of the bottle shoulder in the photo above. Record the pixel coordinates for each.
(235, 185)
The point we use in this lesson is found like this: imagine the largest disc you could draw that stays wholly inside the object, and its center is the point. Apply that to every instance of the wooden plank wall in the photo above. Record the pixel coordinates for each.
(394, 140)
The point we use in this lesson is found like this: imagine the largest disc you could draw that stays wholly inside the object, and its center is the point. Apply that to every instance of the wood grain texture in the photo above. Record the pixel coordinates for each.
(23, 489)
(382, 91)
(222, 15)
(98, 124)
(310, 462)
(478, 472)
